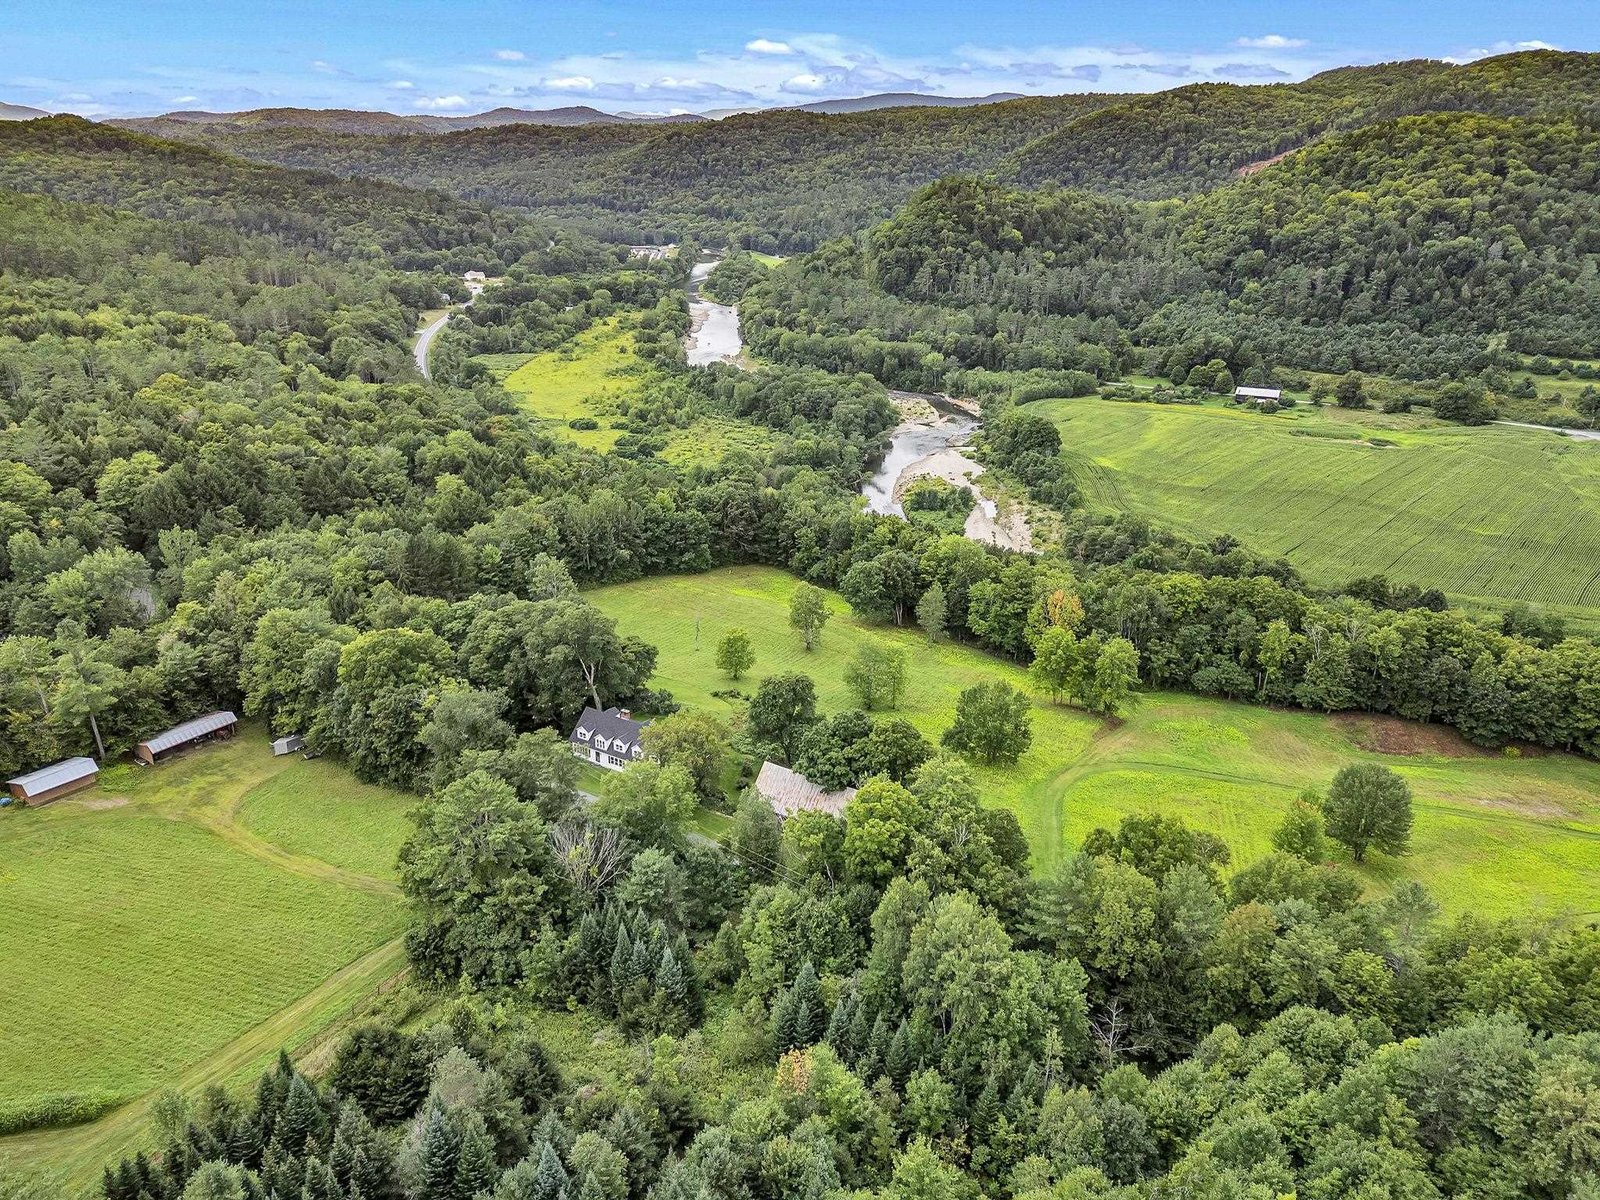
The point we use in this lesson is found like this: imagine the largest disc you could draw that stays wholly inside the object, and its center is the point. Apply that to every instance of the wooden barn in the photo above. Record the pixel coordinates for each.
(55, 781)
(212, 727)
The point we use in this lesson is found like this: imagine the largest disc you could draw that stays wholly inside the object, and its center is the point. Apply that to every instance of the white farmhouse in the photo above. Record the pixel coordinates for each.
(609, 739)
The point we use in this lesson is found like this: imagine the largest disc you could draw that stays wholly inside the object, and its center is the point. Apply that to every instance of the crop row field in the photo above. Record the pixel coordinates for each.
(1494, 834)
(1489, 514)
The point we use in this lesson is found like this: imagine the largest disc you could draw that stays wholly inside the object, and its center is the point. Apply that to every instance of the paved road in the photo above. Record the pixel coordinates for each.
(432, 328)
(1578, 435)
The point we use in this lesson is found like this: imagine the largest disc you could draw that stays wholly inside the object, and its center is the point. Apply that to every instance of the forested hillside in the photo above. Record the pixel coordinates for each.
(774, 181)
(788, 180)
(1418, 248)
(1196, 137)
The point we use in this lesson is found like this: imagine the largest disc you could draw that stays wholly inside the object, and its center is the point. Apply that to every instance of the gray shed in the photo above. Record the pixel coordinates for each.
(287, 745)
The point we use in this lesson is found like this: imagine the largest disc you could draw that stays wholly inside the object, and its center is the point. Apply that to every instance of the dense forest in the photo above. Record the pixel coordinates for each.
(1429, 248)
(223, 484)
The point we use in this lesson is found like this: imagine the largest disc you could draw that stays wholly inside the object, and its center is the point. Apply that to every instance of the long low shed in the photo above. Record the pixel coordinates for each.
(55, 781)
(212, 725)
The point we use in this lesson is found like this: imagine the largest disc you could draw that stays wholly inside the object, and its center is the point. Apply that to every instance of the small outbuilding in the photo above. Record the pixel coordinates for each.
(53, 782)
(287, 745)
(788, 792)
(213, 727)
(1259, 395)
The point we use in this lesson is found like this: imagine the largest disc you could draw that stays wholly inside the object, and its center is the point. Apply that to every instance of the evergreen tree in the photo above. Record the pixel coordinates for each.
(550, 1181)
(898, 1062)
(437, 1153)
(476, 1168)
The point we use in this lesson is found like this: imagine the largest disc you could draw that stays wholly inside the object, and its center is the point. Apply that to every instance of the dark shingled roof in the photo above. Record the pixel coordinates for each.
(610, 724)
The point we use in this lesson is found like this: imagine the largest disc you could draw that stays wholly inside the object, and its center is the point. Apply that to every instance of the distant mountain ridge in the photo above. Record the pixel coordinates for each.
(344, 120)
(20, 112)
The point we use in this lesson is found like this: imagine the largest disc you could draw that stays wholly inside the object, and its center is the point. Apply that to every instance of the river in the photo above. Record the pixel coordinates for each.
(930, 442)
(927, 442)
(713, 328)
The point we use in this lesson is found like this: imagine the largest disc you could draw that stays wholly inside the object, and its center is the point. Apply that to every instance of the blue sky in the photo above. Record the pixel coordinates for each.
(104, 57)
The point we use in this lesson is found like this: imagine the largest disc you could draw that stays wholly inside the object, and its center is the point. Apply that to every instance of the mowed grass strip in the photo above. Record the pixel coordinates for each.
(147, 934)
(317, 809)
(584, 378)
(1494, 513)
(1494, 834)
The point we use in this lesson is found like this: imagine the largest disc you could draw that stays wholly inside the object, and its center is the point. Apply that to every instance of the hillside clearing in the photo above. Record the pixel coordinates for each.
(1488, 514)
(584, 378)
(1494, 834)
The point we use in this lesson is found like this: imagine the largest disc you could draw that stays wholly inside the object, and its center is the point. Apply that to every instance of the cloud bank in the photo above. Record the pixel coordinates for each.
(752, 72)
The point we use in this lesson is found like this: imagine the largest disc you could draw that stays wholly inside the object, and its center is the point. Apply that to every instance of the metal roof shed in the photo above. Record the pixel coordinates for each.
(212, 725)
(52, 782)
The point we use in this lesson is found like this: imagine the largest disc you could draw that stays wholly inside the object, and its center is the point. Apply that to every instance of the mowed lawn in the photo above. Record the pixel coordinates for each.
(319, 810)
(1494, 834)
(147, 929)
(1490, 513)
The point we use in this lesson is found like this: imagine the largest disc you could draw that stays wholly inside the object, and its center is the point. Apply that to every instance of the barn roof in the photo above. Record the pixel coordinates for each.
(1255, 393)
(68, 770)
(188, 731)
(789, 792)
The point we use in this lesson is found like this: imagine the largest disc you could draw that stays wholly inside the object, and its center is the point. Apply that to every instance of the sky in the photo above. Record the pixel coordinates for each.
(139, 57)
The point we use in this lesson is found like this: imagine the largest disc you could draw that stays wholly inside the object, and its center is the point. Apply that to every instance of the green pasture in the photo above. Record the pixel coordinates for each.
(317, 809)
(1490, 514)
(583, 378)
(161, 921)
(1494, 834)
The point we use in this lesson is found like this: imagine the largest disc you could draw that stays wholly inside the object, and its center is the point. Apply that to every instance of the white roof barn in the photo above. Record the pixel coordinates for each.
(58, 779)
(1259, 395)
(789, 792)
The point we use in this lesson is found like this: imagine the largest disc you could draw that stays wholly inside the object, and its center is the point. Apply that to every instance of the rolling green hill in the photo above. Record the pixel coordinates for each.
(788, 180)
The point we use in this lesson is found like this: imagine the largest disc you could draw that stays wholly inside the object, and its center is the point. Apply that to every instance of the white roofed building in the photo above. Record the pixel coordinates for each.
(789, 792)
(52, 782)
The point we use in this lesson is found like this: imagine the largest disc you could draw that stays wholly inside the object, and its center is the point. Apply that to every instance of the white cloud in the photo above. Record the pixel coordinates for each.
(1478, 52)
(186, 99)
(571, 83)
(401, 84)
(327, 68)
(763, 46)
(443, 102)
(804, 83)
(1271, 41)
(510, 55)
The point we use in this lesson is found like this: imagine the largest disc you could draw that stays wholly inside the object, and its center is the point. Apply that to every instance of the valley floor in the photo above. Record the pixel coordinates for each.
(1496, 834)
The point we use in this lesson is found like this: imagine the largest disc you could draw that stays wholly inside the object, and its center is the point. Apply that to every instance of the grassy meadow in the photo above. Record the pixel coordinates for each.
(583, 378)
(1494, 834)
(182, 923)
(588, 376)
(1491, 514)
